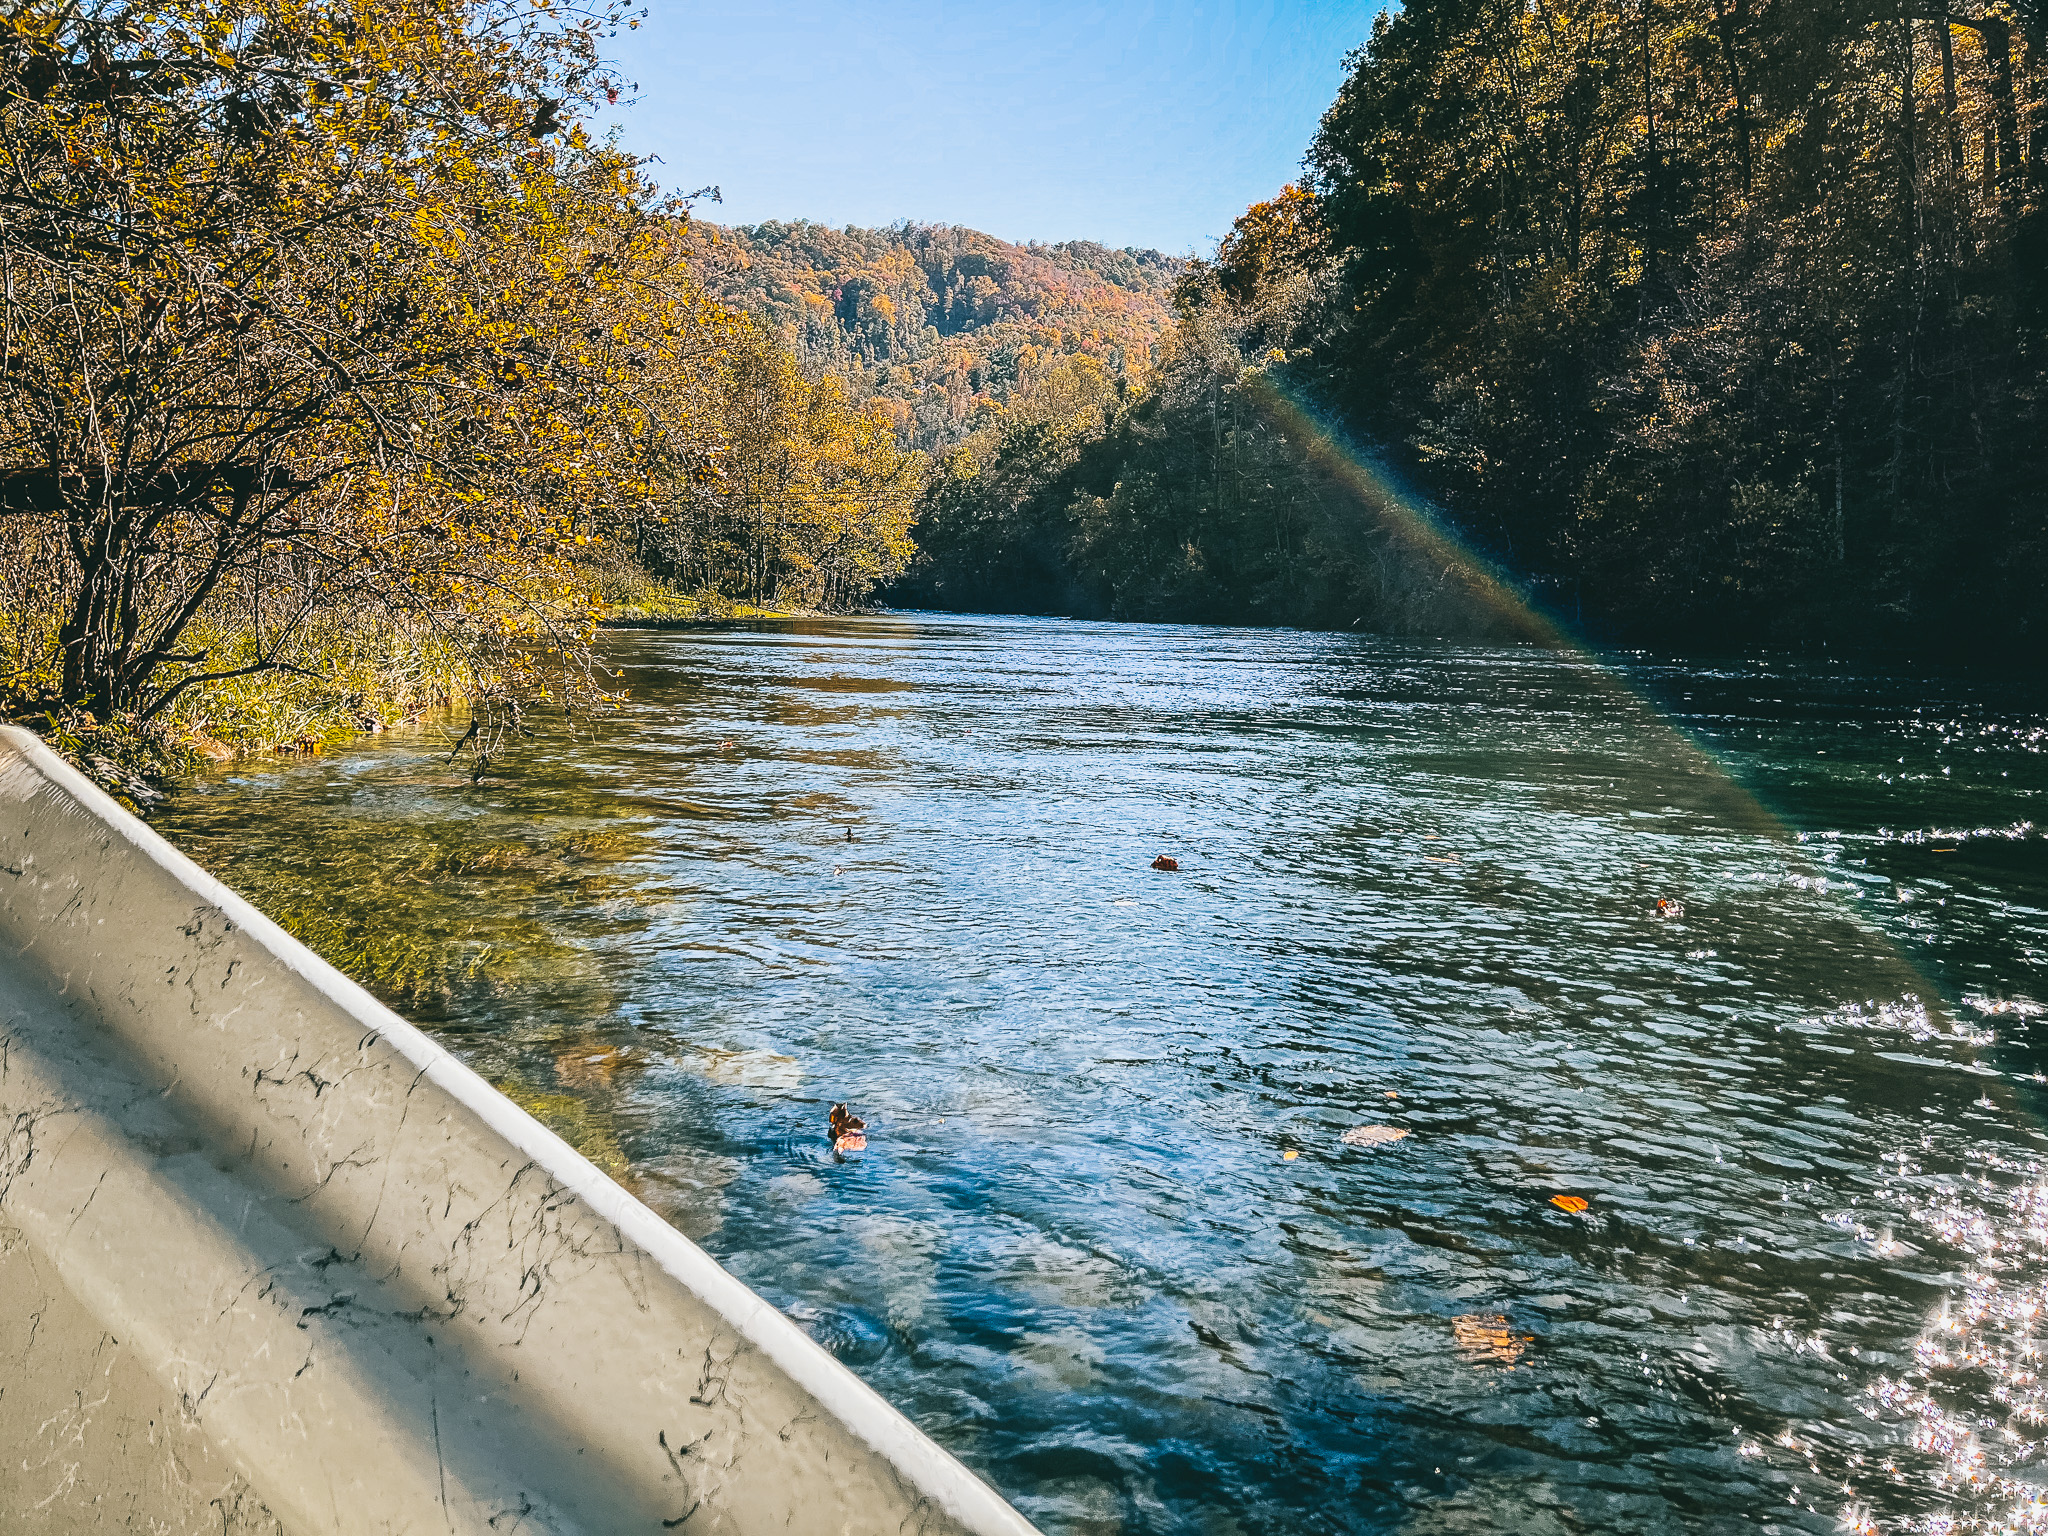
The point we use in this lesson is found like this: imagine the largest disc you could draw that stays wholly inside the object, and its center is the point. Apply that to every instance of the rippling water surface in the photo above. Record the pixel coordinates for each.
(1108, 1244)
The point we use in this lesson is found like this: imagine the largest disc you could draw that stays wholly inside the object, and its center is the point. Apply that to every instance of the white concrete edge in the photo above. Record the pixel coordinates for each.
(925, 1465)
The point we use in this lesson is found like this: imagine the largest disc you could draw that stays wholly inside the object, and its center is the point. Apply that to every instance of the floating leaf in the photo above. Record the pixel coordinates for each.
(1372, 1135)
(1572, 1203)
(1163, 862)
(1289, 1155)
(1489, 1334)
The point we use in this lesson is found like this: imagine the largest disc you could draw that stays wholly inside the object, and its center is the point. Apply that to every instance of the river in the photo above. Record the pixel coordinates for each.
(1108, 1243)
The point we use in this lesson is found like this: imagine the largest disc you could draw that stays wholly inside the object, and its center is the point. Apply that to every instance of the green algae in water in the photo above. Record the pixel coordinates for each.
(578, 1118)
(441, 915)
(422, 912)
(427, 914)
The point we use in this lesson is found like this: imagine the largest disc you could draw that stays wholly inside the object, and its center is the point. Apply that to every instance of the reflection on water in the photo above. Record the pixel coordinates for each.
(1721, 1203)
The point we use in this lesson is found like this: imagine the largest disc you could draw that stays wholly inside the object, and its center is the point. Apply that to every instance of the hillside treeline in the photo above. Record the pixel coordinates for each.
(937, 324)
(341, 367)
(1704, 322)
(1201, 497)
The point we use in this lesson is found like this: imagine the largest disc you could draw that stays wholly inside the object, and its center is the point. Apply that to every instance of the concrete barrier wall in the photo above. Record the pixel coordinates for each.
(272, 1260)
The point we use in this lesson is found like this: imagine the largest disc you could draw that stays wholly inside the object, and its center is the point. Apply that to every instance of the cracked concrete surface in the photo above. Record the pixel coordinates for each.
(91, 1440)
(270, 1260)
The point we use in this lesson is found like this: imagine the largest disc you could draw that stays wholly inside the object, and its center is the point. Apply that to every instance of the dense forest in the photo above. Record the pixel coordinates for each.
(1699, 323)
(937, 325)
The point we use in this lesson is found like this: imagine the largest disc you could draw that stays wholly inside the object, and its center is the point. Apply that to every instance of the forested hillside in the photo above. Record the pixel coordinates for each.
(1705, 322)
(939, 324)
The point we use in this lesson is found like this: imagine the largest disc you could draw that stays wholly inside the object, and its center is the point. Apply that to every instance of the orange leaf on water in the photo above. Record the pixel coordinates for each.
(1572, 1203)
(1289, 1155)
(849, 1132)
(1372, 1135)
(1488, 1336)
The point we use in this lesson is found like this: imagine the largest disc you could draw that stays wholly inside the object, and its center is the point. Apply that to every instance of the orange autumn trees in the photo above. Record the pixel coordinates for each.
(941, 323)
(1270, 242)
(334, 349)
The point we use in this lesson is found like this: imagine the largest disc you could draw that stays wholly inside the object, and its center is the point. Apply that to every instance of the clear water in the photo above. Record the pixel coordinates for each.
(1418, 888)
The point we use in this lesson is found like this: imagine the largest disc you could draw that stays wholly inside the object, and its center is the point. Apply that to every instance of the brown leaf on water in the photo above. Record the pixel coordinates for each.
(1163, 862)
(1372, 1135)
(1488, 1335)
(1572, 1203)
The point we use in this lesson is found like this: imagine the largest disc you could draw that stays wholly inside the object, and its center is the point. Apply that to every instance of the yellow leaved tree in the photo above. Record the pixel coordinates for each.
(321, 313)
(794, 497)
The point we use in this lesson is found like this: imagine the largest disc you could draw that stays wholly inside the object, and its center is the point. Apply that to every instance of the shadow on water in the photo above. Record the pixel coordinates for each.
(1108, 1243)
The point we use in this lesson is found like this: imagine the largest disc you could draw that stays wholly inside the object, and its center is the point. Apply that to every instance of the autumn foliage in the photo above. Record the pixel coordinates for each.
(804, 498)
(329, 321)
(941, 326)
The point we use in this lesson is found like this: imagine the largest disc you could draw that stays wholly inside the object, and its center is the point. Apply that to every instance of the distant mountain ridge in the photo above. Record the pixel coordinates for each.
(941, 324)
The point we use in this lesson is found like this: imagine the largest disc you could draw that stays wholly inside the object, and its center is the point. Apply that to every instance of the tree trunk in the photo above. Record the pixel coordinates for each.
(1996, 35)
(1948, 93)
(89, 640)
(1656, 167)
(1728, 21)
(1997, 38)
(1904, 337)
(98, 634)
(1909, 144)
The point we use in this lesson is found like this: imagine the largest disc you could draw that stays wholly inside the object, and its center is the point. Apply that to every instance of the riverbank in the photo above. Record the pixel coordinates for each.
(629, 598)
(722, 613)
(376, 684)
(354, 686)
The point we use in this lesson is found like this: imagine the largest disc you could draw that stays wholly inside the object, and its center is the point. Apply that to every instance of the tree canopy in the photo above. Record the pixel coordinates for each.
(940, 324)
(324, 317)
(1705, 321)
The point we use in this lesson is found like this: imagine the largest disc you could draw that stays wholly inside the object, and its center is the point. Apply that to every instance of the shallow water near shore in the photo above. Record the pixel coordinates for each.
(904, 862)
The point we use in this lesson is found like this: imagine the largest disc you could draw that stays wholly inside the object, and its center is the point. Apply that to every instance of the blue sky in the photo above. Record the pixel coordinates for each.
(1140, 123)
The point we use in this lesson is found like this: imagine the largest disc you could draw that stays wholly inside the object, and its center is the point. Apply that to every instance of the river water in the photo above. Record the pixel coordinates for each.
(1108, 1243)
